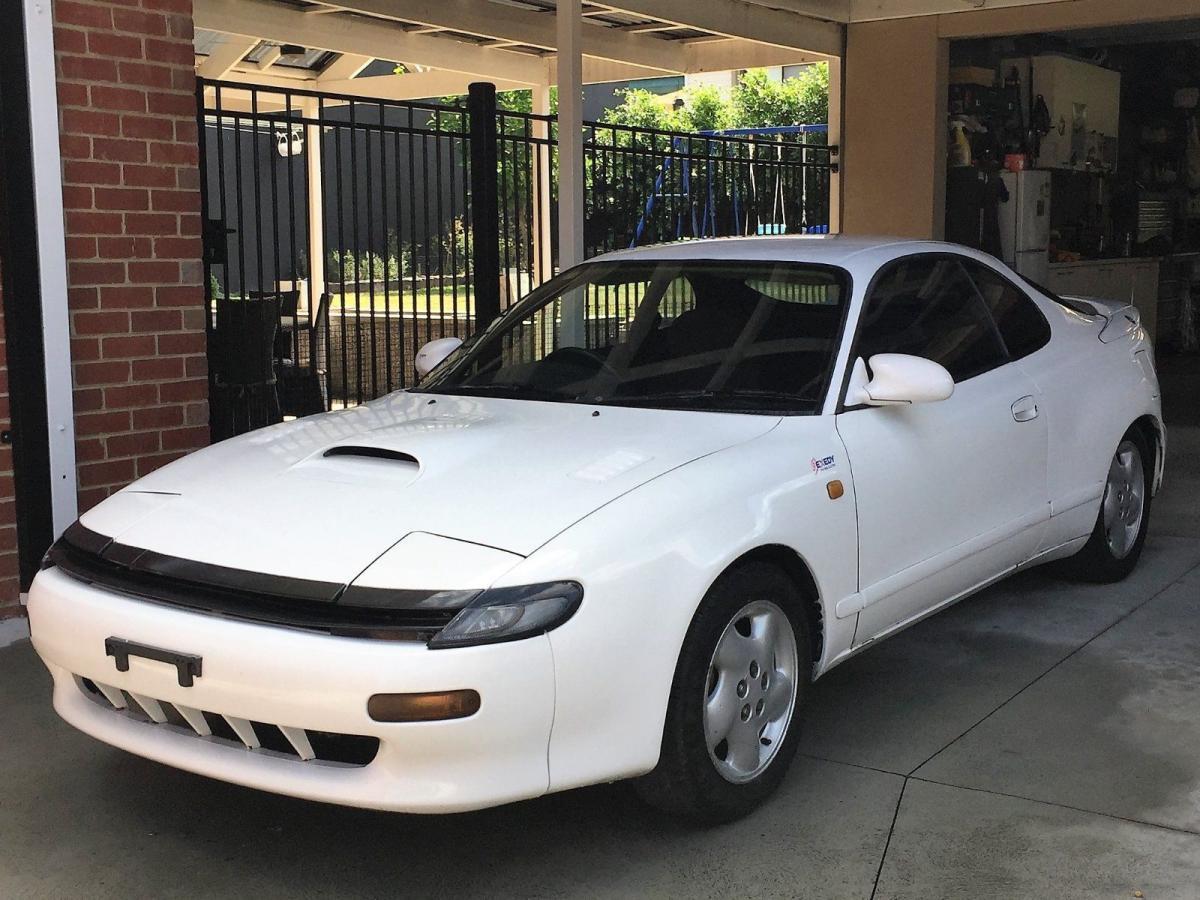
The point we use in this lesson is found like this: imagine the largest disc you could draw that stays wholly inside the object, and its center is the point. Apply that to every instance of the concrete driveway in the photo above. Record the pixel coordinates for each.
(1040, 738)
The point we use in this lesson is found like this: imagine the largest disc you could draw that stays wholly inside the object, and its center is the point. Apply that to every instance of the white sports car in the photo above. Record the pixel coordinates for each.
(616, 534)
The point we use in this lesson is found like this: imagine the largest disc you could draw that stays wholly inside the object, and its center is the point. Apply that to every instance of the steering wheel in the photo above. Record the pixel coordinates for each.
(578, 357)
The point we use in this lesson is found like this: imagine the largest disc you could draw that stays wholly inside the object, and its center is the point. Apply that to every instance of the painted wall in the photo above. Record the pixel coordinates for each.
(894, 133)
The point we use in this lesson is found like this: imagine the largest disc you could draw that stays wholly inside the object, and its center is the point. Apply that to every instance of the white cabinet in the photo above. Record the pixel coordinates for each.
(1084, 101)
(1131, 280)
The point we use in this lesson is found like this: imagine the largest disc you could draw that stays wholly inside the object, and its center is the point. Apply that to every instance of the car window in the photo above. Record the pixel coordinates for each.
(1021, 324)
(927, 306)
(748, 336)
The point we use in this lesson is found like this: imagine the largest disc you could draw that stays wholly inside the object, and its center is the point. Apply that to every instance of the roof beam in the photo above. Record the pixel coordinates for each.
(506, 23)
(347, 34)
(722, 56)
(225, 56)
(739, 19)
(345, 66)
(831, 10)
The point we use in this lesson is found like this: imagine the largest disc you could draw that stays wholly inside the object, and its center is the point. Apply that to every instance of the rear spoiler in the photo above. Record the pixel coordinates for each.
(1120, 317)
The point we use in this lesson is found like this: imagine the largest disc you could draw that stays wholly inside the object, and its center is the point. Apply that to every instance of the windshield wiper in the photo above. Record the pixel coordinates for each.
(725, 395)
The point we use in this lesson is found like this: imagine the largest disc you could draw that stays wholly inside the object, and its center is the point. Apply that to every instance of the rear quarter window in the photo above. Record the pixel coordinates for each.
(1021, 324)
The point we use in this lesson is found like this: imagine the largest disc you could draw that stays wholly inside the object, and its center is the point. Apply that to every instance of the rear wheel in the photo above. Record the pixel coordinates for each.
(730, 731)
(1120, 532)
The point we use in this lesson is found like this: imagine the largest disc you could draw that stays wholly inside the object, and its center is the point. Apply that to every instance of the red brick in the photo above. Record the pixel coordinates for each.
(174, 154)
(159, 368)
(83, 297)
(172, 104)
(119, 149)
(181, 344)
(123, 99)
(158, 417)
(93, 373)
(88, 449)
(81, 247)
(83, 273)
(70, 94)
(189, 225)
(181, 25)
(122, 198)
(170, 51)
(153, 128)
(90, 15)
(100, 323)
(123, 247)
(176, 248)
(81, 222)
(154, 224)
(113, 471)
(146, 75)
(75, 146)
(127, 346)
(89, 498)
(102, 423)
(139, 22)
(153, 271)
(87, 68)
(126, 296)
(169, 6)
(156, 320)
(188, 177)
(82, 171)
(138, 443)
(187, 131)
(85, 349)
(147, 464)
(185, 438)
(196, 366)
(70, 40)
(150, 176)
(182, 391)
(88, 399)
(76, 196)
(105, 43)
(176, 295)
(140, 395)
(175, 201)
(90, 121)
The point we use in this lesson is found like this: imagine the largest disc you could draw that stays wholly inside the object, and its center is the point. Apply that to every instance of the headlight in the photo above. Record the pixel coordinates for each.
(509, 614)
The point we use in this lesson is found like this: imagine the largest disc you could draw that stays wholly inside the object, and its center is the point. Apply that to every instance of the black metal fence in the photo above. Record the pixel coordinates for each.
(430, 219)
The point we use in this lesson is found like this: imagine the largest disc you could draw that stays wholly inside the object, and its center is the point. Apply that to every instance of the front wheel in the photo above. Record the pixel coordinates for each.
(1120, 532)
(739, 683)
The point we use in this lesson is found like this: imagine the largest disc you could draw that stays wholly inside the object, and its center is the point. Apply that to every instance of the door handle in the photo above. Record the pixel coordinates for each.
(1024, 409)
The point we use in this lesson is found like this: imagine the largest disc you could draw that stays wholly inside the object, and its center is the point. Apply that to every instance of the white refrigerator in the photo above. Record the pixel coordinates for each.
(1025, 223)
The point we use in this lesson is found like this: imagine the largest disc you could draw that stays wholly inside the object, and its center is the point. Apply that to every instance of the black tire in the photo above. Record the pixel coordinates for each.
(687, 782)
(1097, 562)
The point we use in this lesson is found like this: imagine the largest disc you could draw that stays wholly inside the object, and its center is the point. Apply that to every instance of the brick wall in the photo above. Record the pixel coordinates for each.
(127, 109)
(9, 586)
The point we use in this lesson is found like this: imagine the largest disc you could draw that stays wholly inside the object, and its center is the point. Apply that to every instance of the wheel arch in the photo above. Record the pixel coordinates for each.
(1151, 428)
(794, 566)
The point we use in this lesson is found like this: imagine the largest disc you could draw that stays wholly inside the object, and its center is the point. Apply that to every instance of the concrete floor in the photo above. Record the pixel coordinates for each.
(1040, 737)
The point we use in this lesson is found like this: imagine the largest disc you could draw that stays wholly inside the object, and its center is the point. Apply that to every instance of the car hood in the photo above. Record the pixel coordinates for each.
(324, 496)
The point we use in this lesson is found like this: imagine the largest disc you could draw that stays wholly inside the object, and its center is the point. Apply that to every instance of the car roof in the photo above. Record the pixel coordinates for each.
(828, 249)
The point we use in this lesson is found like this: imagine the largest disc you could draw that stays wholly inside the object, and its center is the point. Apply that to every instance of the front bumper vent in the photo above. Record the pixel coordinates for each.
(303, 744)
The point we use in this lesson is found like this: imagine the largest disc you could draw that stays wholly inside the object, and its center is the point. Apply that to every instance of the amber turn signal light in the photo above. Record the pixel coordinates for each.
(430, 707)
(834, 489)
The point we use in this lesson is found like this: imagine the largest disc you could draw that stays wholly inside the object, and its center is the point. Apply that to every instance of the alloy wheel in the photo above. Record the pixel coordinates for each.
(1124, 500)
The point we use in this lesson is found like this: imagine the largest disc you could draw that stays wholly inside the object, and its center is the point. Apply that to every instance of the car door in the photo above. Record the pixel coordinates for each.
(949, 494)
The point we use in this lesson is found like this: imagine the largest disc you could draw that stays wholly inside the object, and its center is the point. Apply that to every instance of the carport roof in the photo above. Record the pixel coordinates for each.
(509, 42)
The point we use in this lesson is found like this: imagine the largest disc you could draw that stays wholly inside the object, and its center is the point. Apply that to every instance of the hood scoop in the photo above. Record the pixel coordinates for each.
(362, 464)
(372, 453)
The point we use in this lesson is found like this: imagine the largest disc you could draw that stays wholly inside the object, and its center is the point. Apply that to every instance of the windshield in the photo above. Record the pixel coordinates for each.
(734, 336)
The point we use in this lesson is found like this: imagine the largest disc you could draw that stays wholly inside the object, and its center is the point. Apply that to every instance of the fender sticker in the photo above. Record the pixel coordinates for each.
(820, 465)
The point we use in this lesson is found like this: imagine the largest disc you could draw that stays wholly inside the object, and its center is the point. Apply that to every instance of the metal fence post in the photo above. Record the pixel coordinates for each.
(485, 203)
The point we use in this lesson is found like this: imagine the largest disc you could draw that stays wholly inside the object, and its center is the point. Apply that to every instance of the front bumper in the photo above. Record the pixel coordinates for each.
(301, 680)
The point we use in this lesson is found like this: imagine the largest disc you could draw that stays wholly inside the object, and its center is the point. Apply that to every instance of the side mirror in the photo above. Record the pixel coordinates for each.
(898, 379)
(432, 354)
